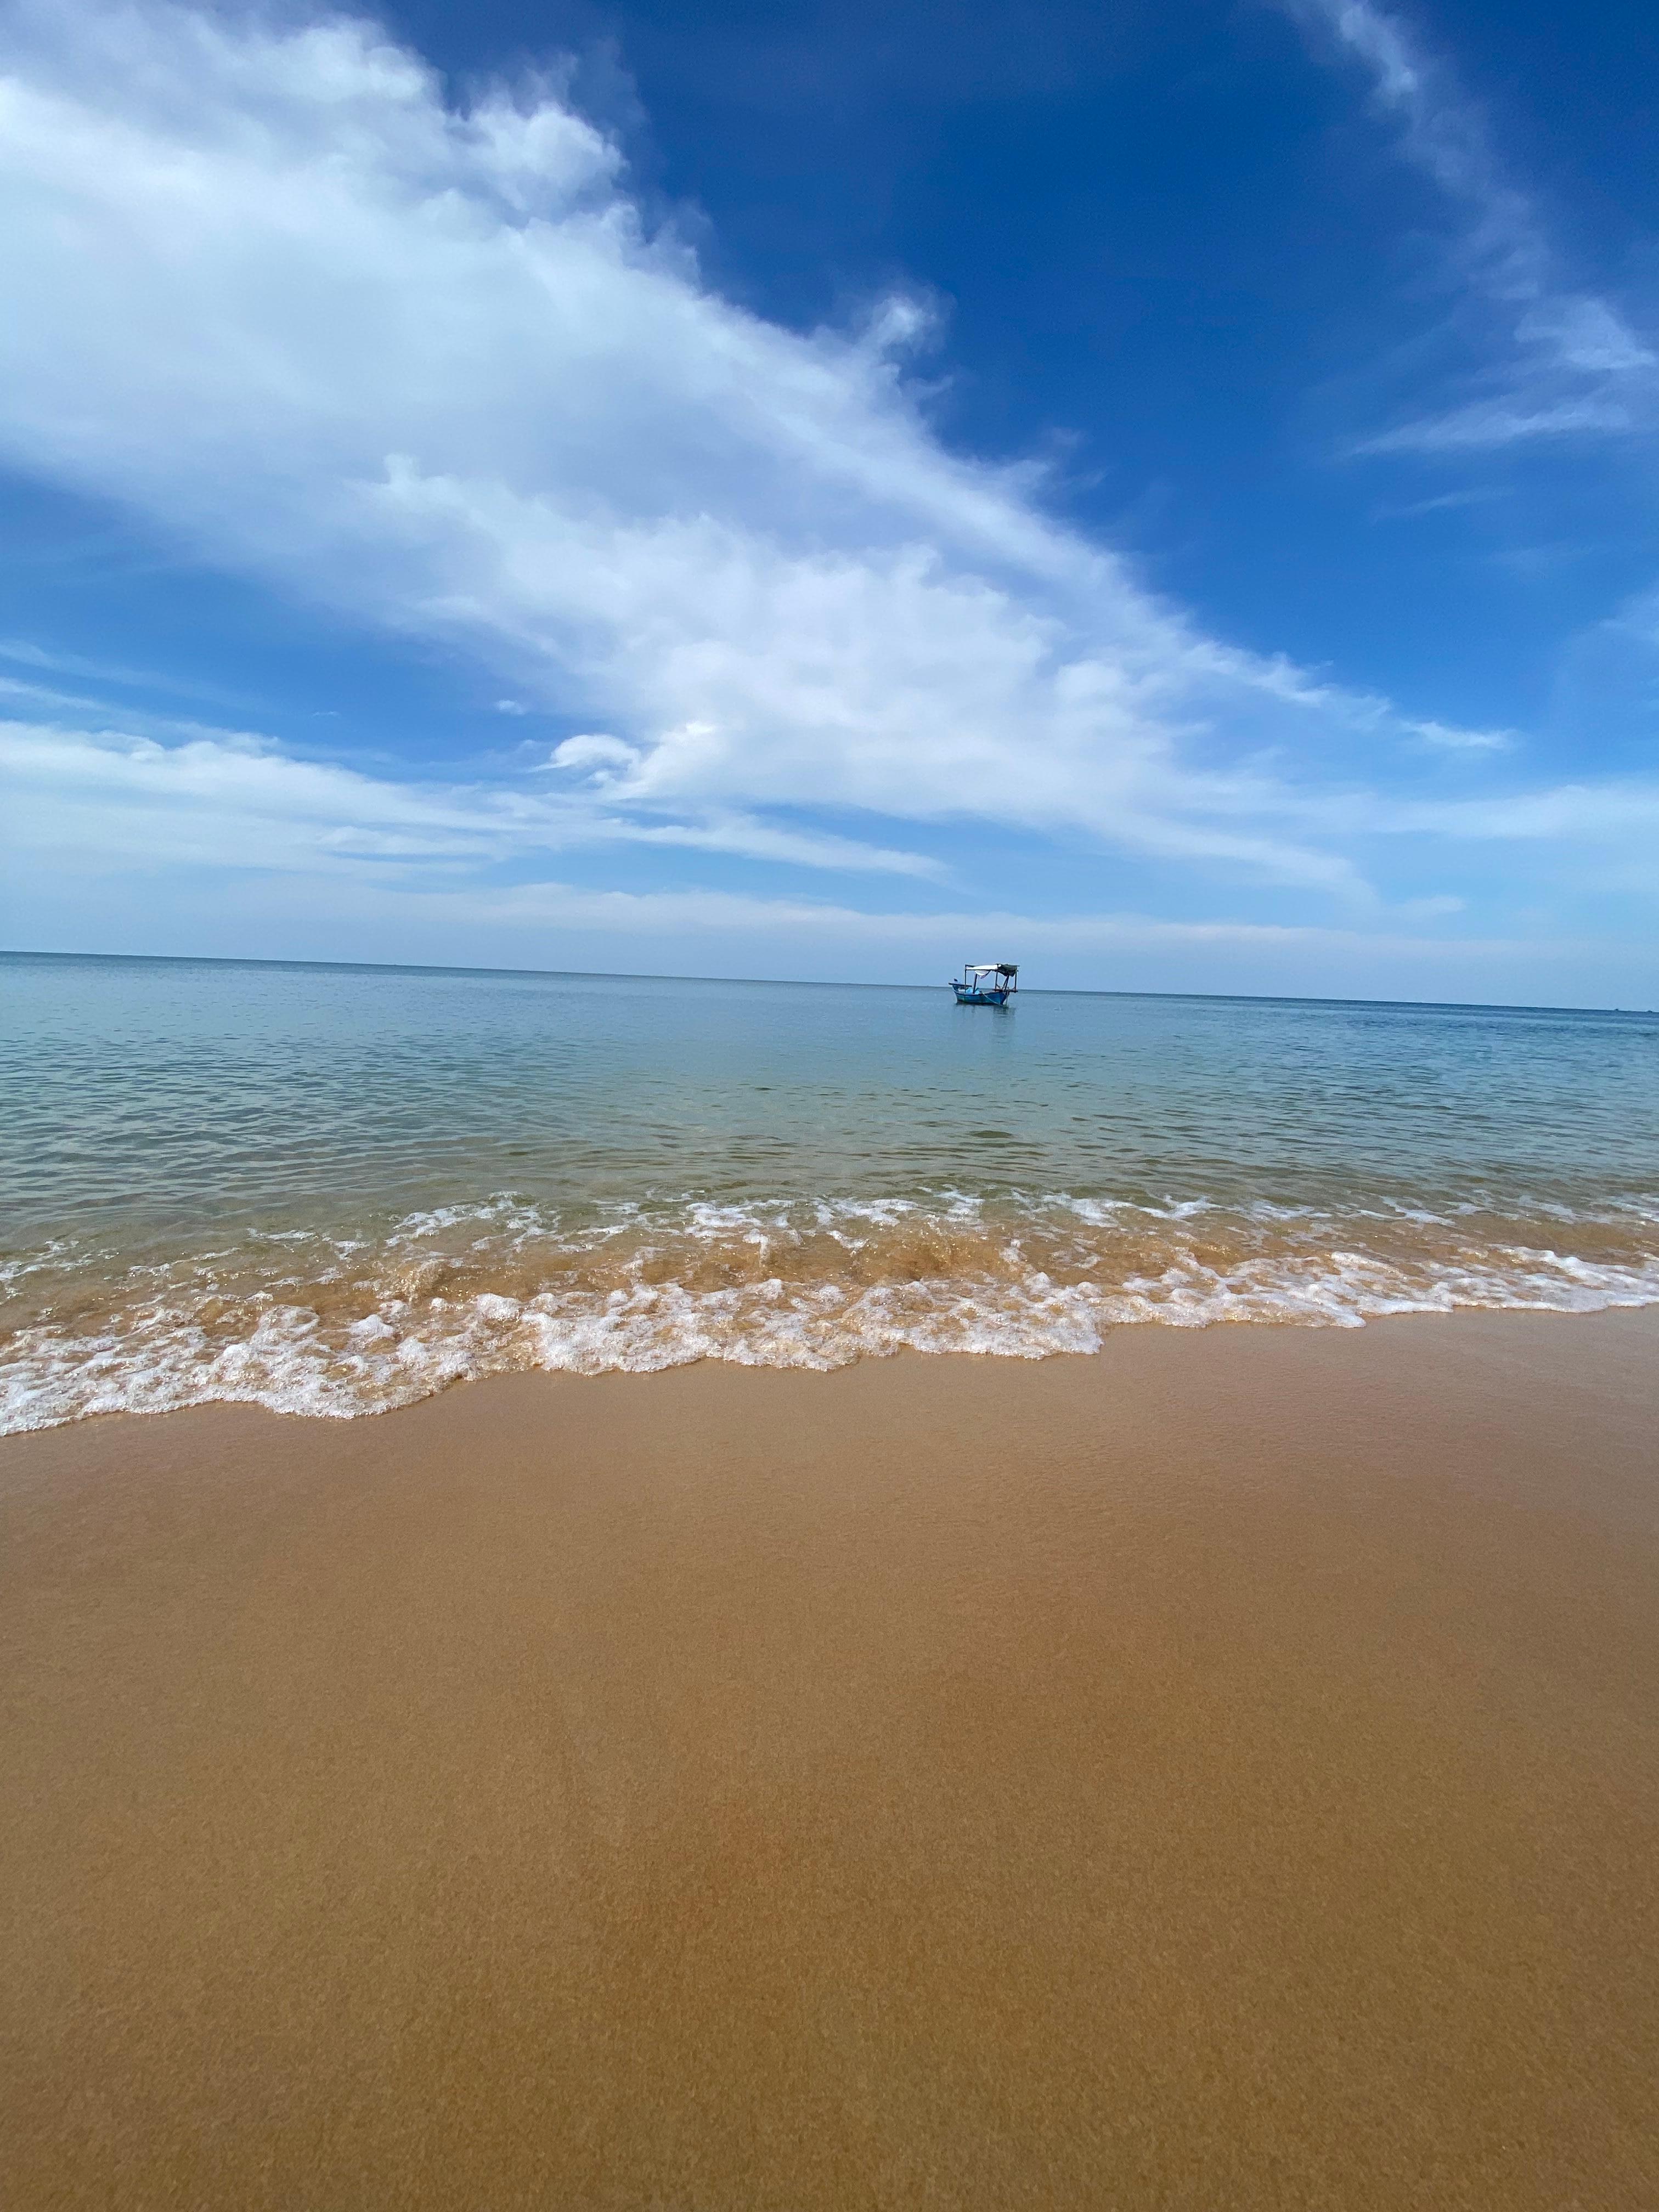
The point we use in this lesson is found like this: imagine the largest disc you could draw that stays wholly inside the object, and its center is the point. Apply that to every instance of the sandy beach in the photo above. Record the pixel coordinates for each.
(1220, 1771)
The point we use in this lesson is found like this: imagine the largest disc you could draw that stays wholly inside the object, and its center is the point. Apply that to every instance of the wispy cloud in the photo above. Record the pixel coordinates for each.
(1560, 363)
(430, 364)
(25, 652)
(228, 801)
(235, 803)
(723, 914)
(358, 847)
(1449, 739)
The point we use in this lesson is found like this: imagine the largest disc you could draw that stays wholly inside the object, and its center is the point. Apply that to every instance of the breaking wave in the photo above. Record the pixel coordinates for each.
(304, 1322)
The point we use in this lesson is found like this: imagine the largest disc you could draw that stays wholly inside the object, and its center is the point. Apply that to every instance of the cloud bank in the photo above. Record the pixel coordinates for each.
(428, 363)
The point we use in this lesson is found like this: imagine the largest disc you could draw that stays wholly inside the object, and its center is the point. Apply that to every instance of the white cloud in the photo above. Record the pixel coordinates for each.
(601, 759)
(427, 363)
(233, 808)
(1564, 363)
(220, 843)
(554, 906)
(1455, 740)
(232, 802)
(1612, 814)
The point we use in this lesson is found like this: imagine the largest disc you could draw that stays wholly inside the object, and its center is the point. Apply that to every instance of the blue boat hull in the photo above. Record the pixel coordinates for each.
(967, 996)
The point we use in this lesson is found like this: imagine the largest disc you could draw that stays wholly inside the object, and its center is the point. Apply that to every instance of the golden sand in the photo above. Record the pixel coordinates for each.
(1221, 1772)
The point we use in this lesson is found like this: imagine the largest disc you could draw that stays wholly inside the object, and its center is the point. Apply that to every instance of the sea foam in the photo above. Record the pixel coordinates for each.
(352, 1325)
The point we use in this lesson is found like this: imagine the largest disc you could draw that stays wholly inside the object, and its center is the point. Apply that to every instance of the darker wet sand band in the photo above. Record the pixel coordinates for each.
(1223, 1772)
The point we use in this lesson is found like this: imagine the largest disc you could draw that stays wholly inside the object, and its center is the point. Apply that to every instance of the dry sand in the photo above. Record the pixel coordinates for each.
(1221, 1772)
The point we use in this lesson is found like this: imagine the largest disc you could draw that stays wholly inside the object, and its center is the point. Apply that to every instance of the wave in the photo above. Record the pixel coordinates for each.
(345, 1325)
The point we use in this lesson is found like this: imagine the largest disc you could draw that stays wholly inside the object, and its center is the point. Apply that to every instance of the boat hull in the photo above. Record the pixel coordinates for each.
(967, 996)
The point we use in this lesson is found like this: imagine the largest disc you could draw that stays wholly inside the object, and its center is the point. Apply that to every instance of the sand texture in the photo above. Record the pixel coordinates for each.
(1221, 1772)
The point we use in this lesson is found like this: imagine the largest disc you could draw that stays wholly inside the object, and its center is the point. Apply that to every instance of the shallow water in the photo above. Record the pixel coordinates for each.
(336, 1190)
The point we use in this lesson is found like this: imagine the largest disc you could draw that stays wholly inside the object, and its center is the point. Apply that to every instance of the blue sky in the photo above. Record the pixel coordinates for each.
(1166, 494)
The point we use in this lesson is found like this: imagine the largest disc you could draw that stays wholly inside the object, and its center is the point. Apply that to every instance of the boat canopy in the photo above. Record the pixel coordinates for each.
(995, 967)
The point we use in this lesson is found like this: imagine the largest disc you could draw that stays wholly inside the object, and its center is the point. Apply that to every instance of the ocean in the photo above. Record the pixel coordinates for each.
(337, 1189)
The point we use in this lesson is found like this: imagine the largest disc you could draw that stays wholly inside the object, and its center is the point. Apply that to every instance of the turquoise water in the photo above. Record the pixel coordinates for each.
(336, 1190)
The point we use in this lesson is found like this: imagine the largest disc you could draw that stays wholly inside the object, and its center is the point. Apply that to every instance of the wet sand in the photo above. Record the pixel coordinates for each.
(1221, 1772)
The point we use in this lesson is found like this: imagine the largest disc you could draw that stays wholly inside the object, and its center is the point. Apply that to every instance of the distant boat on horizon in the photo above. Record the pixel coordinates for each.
(991, 983)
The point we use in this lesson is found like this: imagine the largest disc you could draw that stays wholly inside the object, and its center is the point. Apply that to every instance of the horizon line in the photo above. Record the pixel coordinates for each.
(802, 983)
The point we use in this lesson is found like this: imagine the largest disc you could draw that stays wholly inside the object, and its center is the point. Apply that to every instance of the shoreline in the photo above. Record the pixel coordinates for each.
(1221, 1768)
(401, 1392)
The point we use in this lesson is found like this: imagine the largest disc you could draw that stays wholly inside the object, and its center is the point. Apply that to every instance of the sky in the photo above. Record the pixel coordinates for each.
(1165, 494)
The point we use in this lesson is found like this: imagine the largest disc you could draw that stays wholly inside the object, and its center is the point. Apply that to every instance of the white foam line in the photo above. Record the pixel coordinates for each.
(165, 1358)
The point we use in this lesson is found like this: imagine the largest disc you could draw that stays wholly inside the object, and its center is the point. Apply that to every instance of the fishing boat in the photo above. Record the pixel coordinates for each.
(991, 984)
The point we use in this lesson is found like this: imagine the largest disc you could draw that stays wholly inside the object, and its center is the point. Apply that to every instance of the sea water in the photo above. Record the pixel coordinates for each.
(337, 1189)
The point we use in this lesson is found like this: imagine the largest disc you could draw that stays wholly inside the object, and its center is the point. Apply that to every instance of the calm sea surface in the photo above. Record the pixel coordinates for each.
(336, 1190)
